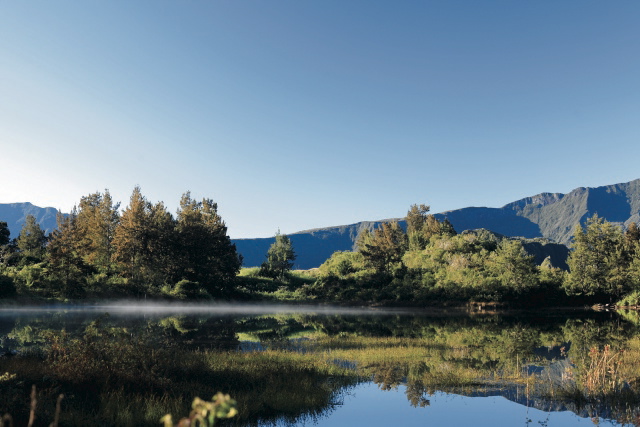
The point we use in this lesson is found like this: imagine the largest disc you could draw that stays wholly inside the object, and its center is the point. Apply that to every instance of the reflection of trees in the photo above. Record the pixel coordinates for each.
(189, 332)
(586, 333)
(164, 362)
(274, 328)
(496, 355)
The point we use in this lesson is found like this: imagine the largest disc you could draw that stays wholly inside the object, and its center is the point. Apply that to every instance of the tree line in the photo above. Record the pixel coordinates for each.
(143, 250)
(99, 250)
(429, 263)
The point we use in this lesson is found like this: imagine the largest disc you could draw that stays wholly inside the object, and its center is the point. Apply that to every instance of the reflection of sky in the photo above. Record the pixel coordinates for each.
(367, 405)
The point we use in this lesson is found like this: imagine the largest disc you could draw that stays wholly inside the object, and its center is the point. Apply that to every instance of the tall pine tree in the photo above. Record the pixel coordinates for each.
(31, 240)
(206, 254)
(96, 222)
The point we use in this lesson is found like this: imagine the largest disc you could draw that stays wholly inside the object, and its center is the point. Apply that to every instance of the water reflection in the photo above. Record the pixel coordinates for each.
(444, 409)
(129, 366)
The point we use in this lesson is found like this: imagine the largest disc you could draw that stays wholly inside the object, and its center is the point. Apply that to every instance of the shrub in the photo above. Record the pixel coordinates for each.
(186, 289)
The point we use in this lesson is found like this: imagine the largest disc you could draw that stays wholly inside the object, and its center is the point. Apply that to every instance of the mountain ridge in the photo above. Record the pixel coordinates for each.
(551, 216)
(15, 214)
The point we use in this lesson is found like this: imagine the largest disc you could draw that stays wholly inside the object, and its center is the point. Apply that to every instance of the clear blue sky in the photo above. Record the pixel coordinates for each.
(304, 114)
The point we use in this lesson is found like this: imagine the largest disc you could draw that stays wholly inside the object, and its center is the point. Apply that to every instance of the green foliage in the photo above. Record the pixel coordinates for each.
(513, 267)
(206, 254)
(143, 242)
(66, 266)
(342, 264)
(384, 248)
(252, 284)
(599, 261)
(632, 234)
(251, 281)
(630, 300)
(31, 240)
(280, 257)
(187, 290)
(421, 227)
(96, 252)
(95, 224)
(448, 269)
(205, 414)
(31, 278)
(549, 275)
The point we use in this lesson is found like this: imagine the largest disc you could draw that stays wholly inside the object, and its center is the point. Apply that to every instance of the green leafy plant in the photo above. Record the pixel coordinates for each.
(205, 414)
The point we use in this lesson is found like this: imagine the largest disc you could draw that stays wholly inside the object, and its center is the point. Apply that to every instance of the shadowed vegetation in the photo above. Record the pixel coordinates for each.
(294, 367)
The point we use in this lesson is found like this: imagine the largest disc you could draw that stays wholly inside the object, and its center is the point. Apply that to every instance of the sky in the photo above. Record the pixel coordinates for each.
(294, 115)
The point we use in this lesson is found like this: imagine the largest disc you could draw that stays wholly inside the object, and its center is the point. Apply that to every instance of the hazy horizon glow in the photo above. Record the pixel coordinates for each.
(299, 115)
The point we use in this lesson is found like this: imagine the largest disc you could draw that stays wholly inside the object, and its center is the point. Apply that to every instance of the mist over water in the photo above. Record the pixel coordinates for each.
(214, 309)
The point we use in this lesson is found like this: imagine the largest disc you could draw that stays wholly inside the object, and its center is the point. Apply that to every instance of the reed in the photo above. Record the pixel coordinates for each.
(603, 375)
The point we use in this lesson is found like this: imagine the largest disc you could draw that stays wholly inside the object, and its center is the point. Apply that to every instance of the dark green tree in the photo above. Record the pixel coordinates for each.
(5, 248)
(162, 249)
(4, 233)
(31, 240)
(67, 268)
(144, 244)
(280, 257)
(206, 254)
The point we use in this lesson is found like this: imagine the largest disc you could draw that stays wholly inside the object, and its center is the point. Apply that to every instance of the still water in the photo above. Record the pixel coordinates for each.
(130, 364)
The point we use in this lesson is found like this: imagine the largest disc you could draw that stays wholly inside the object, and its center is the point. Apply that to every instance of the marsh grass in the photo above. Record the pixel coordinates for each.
(114, 377)
(121, 378)
(603, 381)
(603, 374)
(302, 367)
(391, 361)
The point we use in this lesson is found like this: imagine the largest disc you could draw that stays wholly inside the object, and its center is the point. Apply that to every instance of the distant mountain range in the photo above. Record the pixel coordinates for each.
(14, 214)
(547, 215)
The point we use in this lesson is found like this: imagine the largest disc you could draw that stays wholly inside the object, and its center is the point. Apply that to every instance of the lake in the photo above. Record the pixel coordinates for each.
(129, 364)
